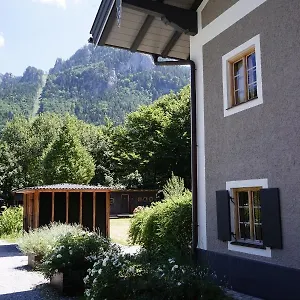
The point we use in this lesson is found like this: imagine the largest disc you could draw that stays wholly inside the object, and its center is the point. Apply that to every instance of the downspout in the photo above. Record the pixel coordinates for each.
(194, 167)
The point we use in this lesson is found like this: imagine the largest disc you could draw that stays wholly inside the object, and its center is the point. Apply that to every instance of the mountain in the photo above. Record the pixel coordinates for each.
(92, 84)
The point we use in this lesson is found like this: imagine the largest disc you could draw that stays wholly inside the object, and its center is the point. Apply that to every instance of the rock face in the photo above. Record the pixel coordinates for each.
(92, 84)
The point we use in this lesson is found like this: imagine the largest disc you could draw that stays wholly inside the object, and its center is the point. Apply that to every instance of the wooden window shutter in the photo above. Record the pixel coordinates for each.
(270, 217)
(223, 215)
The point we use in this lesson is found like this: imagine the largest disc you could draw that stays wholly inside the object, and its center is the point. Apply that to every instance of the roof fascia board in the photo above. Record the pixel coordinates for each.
(183, 20)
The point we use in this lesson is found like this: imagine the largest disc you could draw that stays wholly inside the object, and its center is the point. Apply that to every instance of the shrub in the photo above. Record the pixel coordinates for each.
(74, 252)
(165, 228)
(11, 221)
(174, 187)
(42, 240)
(118, 276)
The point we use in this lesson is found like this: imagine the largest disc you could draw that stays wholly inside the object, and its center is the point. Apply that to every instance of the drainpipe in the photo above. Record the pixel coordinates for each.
(193, 144)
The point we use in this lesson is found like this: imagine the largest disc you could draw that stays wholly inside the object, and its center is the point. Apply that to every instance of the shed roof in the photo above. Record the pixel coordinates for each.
(160, 28)
(66, 187)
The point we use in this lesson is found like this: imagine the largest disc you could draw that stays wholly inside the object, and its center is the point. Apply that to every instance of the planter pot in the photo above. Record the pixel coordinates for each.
(69, 283)
(34, 260)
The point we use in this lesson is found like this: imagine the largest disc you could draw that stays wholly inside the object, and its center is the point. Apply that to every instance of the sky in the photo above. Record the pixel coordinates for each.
(37, 32)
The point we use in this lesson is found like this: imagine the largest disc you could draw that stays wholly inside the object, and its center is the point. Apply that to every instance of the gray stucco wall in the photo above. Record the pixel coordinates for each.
(264, 141)
(215, 8)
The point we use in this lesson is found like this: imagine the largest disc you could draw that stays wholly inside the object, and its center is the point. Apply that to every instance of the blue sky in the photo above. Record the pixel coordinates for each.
(36, 32)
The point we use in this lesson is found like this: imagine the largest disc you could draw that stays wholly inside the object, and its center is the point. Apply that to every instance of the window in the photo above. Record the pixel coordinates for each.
(244, 79)
(248, 226)
(242, 84)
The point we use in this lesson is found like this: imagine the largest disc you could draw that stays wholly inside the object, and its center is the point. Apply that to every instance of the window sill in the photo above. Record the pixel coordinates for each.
(236, 105)
(242, 106)
(250, 248)
(248, 244)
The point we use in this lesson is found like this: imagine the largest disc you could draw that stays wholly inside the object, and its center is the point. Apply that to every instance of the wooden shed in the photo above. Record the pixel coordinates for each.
(125, 201)
(67, 203)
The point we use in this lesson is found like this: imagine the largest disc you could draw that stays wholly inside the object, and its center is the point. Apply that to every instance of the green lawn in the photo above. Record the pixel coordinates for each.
(119, 230)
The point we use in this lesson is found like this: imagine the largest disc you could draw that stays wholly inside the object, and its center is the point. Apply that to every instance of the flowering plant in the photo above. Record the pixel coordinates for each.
(118, 276)
(72, 252)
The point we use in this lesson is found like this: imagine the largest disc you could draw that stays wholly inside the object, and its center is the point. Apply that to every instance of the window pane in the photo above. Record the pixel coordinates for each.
(251, 61)
(243, 199)
(238, 68)
(256, 198)
(245, 230)
(239, 97)
(244, 214)
(252, 76)
(257, 216)
(252, 91)
(258, 232)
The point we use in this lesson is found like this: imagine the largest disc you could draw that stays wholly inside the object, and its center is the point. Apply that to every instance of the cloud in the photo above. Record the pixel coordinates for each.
(2, 40)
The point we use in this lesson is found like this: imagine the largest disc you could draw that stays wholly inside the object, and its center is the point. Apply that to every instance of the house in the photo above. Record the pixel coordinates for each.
(123, 202)
(245, 61)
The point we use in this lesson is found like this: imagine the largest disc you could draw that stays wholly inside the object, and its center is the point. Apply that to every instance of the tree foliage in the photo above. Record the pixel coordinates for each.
(67, 160)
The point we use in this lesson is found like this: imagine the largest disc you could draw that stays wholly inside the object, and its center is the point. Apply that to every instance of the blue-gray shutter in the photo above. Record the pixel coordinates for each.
(223, 215)
(270, 218)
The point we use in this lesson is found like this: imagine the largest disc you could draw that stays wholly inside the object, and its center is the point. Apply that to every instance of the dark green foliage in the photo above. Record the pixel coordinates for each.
(67, 160)
(165, 228)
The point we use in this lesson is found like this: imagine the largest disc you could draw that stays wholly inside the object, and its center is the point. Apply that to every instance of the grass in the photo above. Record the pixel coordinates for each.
(11, 238)
(119, 230)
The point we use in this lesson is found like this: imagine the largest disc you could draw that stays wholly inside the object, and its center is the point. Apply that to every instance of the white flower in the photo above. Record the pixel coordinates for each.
(174, 267)
(179, 283)
(58, 256)
(95, 280)
(71, 252)
(87, 292)
(159, 269)
(56, 271)
(104, 261)
(131, 269)
(99, 271)
(171, 260)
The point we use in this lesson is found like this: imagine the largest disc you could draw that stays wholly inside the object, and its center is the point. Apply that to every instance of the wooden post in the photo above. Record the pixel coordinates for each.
(80, 209)
(36, 208)
(107, 207)
(67, 207)
(25, 217)
(94, 211)
(52, 215)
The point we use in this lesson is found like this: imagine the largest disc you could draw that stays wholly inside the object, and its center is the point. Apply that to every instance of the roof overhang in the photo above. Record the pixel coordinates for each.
(161, 28)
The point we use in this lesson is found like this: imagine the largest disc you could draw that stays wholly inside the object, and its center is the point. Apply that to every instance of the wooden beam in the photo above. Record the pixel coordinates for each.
(181, 19)
(36, 209)
(67, 207)
(94, 211)
(52, 214)
(25, 217)
(171, 43)
(140, 36)
(107, 207)
(80, 209)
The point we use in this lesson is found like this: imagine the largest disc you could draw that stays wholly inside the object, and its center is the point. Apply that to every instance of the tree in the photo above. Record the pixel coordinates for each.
(68, 161)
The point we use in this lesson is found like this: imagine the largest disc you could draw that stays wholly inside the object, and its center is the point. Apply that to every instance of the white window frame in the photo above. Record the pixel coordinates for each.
(227, 77)
(230, 186)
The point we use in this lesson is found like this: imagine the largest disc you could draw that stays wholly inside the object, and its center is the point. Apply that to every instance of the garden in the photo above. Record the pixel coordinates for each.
(83, 263)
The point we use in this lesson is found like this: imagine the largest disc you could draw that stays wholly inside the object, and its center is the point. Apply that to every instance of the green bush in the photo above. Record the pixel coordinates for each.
(165, 228)
(42, 240)
(74, 252)
(11, 221)
(117, 276)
